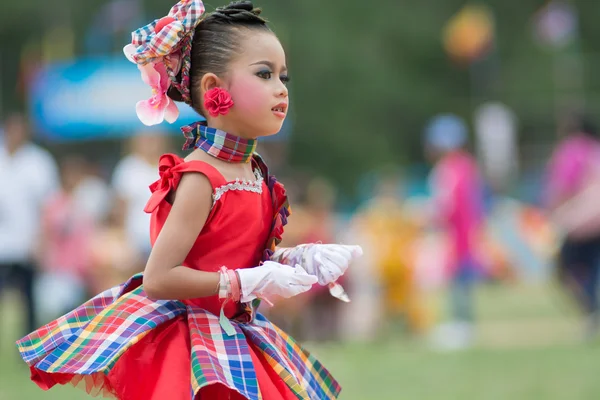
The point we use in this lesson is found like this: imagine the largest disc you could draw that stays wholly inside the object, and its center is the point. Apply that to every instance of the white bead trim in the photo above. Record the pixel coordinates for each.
(240, 184)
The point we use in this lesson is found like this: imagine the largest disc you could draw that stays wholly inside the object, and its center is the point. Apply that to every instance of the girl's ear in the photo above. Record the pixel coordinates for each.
(209, 81)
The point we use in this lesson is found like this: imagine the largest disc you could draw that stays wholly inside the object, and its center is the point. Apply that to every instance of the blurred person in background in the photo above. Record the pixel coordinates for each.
(64, 246)
(28, 175)
(320, 316)
(393, 234)
(131, 180)
(458, 194)
(362, 318)
(113, 256)
(93, 194)
(571, 195)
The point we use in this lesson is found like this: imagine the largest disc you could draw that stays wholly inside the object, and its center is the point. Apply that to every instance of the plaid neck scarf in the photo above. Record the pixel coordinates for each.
(218, 143)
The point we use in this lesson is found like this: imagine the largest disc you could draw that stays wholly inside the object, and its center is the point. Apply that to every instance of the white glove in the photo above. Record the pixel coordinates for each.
(328, 262)
(272, 279)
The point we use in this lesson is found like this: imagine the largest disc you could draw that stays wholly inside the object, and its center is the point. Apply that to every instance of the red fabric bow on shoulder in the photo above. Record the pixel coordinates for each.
(170, 169)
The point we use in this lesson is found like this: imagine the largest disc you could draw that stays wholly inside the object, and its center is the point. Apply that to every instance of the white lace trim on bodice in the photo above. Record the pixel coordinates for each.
(240, 184)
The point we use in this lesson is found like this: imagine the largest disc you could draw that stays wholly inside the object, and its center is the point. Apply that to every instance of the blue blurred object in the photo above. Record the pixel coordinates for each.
(446, 132)
(94, 98)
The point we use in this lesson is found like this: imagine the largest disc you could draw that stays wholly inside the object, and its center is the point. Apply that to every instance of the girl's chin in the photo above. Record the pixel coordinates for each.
(271, 130)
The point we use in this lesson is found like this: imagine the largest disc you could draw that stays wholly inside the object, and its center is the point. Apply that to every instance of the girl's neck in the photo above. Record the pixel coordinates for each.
(219, 143)
(229, 128)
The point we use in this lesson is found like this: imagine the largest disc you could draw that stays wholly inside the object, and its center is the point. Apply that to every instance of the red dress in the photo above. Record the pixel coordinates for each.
(235, 234)
(125, 345)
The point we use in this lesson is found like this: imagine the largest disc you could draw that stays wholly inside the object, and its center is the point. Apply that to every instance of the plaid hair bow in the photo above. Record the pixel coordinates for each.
(169, 40)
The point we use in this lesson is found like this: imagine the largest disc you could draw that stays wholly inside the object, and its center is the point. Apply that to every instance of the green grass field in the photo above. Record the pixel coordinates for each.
(527, 349)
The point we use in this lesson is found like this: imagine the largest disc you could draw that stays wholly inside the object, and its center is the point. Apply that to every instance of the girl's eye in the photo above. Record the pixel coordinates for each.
(285, 79)
(264, 74)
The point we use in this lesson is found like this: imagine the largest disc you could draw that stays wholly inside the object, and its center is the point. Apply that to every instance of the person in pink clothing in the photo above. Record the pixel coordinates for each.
(570, 162)
(64, 246)
(457, 189)
(570, 194)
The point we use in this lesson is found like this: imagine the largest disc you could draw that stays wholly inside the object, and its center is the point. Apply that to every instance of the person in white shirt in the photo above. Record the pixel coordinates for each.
(28, 175)
(93, 194)
(131, 180)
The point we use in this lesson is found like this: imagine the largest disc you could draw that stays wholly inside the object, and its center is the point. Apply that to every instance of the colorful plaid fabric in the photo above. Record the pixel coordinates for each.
(304, 375)
(173, 40)
(281, 208)
(218, 143)
(38, 344)
(219, 358)
(89, 341)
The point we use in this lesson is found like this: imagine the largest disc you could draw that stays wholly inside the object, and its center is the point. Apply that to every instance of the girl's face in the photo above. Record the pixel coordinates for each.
(257, 81)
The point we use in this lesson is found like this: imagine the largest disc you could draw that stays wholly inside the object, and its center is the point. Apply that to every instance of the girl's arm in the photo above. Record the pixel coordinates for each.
(164, 276)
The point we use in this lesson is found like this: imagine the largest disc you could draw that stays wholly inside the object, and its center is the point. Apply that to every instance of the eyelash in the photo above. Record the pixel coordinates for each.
(263, 75)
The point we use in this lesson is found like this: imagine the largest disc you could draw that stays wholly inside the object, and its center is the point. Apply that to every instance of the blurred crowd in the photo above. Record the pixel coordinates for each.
(69, 229)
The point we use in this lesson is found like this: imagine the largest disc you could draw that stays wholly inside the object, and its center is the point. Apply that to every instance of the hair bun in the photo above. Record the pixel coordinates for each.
(238, 11)
(237, 6)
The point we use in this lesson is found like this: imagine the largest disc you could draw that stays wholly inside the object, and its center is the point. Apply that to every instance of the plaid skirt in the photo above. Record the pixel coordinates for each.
(83, 346)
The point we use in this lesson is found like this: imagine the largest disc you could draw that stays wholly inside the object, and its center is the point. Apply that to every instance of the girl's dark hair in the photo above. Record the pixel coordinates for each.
(216, 41)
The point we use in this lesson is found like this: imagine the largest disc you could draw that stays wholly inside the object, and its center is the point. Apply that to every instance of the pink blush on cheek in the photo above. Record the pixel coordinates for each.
(249, 95)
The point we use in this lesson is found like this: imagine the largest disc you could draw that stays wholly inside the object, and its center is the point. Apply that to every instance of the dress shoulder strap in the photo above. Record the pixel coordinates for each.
(170, 169)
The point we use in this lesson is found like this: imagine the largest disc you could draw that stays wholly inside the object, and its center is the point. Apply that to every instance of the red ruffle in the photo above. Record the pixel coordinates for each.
(281, 208)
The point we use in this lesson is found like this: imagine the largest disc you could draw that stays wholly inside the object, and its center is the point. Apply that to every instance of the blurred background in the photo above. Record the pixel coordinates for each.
(455, 141)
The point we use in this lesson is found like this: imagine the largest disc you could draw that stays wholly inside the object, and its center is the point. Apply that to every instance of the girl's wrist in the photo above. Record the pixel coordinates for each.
(234, 283)
(224, 284)
(229, 284)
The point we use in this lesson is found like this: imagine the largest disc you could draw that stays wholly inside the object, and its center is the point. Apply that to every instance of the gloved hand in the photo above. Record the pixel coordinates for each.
(271, 279)
(328, 262)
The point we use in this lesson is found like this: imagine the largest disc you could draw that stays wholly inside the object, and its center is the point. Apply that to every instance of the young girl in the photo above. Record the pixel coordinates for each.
(188, 329)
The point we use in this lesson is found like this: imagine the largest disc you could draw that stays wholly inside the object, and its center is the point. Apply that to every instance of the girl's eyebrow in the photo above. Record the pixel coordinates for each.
(269, 64)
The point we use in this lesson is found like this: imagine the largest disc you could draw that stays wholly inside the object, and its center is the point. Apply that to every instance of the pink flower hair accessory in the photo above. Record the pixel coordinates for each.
(159, 107)
(217, 102)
